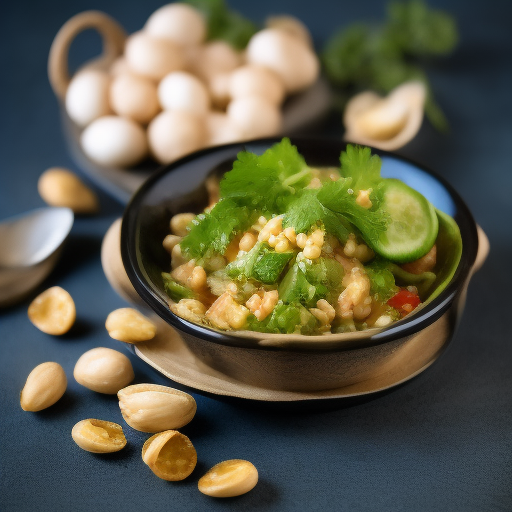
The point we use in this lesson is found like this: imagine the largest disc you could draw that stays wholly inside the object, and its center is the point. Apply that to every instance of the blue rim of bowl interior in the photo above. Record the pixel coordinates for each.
(405, 327)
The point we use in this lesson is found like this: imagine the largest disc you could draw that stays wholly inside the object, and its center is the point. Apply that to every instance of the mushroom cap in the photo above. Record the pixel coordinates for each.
(183, 91)
(255, 117)
(173, 134)
(386, 123)
(213, 58)
(292, 26)
(286, 55)
(151, 56)
(220, 129)
(87, 96)
(114, 141)
(134, 97)
(255, 80)
(178, 22)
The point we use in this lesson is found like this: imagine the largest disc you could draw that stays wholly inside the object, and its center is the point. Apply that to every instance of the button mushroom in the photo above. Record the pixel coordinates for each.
(253, 80)
(183, 91)
(173, 134)
(87, 96)
(151, 56)
(114, 142)
(286, 55)
(386, 123)
(255, 116)
(134, 97)
(178, 22)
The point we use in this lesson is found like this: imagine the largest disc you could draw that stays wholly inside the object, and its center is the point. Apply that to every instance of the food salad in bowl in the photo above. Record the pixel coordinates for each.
(303, 265)
(287, 248)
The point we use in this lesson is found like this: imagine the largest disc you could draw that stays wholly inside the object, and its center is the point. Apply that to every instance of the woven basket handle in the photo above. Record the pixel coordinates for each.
(113, 36)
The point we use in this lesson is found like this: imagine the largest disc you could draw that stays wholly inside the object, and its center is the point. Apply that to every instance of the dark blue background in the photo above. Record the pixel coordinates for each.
(441, 442)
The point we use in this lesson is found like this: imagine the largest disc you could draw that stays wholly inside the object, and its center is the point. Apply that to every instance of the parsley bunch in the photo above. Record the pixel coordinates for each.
(383, 57)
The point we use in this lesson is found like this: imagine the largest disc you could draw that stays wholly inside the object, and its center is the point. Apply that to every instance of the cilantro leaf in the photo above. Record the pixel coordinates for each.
(336, 197)
(224, 23)
(211, 232)
(266, 182)
(420, 30)
(305, 210)
(358, 163)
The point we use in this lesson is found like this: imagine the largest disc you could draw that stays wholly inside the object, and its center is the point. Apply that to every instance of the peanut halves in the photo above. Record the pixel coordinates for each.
(98, 436)
(170, 455)
(153, 408)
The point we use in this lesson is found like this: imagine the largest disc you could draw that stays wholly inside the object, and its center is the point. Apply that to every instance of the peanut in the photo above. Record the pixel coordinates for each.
(60, 187)
(170, 455)
(98, 436)
(103, 370)
(130, 326)
(229, 478)
(45, 385)
(153, 408)
(53, 311)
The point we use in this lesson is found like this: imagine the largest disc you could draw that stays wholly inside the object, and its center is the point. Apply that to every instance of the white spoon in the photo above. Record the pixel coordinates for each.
(29, 248)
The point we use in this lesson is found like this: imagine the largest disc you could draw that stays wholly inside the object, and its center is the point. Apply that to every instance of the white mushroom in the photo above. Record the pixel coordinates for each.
(255, 116)
(386, 123)
(253, 80)
(286, 55)
(178, 22)
(87, 96)
(152, 57)
(213, 58)
(183, 91)
(134, 97)
(173, 134)
(114, 141)
(220, 129)
(292, 26)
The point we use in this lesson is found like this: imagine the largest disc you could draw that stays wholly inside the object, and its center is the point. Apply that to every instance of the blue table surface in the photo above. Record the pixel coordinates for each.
(442, 442)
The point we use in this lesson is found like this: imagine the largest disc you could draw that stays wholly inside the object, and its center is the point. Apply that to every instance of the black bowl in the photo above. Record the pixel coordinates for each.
(294, 362)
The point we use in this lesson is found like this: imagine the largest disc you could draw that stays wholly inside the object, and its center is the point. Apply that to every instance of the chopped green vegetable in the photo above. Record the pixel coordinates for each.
(270, 266)
(224, 23)
(307, 282)
(175, 290)
(382, 280)
(385, 56)
(260, 263)
(285, 319)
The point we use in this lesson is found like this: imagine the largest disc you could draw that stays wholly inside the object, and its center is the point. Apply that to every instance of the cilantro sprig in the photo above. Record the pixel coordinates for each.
(381, 57)
(276, 183)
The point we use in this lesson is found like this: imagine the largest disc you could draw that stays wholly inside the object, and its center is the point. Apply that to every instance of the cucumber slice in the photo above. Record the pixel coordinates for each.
(413, 225)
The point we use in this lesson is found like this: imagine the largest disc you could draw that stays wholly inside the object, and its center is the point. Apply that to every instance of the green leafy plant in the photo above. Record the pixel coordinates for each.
(381, 57)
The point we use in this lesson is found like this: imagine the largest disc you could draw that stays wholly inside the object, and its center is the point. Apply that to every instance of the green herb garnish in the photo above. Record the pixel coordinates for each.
(385, 56)
(224, 23)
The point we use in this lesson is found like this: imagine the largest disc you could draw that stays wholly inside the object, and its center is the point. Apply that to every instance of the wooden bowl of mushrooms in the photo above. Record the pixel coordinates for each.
(171, 89)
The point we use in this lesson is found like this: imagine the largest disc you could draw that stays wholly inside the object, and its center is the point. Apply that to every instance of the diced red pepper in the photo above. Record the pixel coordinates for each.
(404, 301)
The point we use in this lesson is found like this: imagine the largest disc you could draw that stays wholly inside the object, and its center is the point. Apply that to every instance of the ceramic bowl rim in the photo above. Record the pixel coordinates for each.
(410, 325)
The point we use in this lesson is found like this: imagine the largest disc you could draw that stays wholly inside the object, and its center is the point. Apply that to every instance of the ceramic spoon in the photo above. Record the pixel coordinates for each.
(29, 250)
